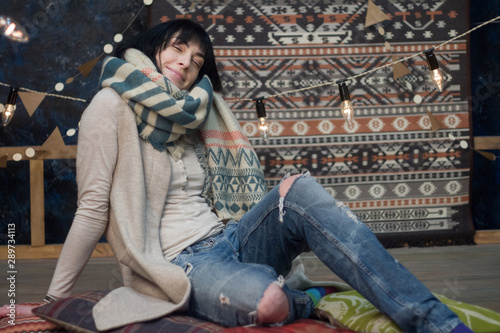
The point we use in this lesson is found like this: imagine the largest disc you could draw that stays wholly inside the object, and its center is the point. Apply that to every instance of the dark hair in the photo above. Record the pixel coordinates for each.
(156, 39)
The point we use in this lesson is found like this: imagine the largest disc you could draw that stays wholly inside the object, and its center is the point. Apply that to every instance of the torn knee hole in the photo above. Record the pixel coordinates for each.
(280, 282)
(273, 306)
(224, 299)
(286, 184)
(281, 207)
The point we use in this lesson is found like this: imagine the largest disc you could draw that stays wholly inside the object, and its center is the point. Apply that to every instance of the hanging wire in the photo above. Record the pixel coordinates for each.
(48, 94)
(300, 89)
(124, 30)
(79, 73)
(371, 70)
(133, 20)
(468, 32)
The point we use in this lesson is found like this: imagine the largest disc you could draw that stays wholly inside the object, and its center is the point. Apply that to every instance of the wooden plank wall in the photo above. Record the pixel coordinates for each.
(487, 142)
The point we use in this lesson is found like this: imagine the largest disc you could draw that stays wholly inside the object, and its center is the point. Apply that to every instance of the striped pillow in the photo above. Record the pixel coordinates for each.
(75, 315)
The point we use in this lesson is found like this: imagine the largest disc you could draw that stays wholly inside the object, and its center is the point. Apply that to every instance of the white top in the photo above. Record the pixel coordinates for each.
(187, 218)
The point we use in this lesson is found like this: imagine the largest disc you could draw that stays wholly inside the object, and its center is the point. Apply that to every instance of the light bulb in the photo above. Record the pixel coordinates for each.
(263, 128)
(10, 107)
(346, 106)
(8, 113)
(261, 114)
(12, 30)
(436, 76)
(437, 79)
(347, 111)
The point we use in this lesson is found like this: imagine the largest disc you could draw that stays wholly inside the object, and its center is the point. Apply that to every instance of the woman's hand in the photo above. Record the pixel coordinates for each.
(18, 310)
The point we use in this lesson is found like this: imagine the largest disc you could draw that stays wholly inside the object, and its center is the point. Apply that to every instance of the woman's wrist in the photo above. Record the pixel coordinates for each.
(49, 299)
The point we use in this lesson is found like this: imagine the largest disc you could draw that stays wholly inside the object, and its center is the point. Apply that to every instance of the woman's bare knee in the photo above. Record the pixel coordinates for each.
(286, 184)
(273, 306)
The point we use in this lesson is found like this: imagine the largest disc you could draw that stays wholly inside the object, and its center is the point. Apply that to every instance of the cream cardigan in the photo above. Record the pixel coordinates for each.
(140, 179)
(153, 286)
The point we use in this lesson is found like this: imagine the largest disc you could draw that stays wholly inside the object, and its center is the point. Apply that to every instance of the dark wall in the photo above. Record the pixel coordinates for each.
(485, 105)
(65, 34)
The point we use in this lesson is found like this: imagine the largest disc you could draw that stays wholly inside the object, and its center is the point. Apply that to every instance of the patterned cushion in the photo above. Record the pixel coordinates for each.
(28, 324)
(350, 309)
(75, 314)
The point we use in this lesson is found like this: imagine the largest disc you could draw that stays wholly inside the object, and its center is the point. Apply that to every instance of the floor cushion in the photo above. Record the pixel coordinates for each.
(75, 314)
(351, 310)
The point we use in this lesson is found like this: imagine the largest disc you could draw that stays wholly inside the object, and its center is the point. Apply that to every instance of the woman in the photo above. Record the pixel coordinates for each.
(169, 200)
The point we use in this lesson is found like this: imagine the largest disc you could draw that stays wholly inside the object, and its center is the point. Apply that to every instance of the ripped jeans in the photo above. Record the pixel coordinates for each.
(230, 272)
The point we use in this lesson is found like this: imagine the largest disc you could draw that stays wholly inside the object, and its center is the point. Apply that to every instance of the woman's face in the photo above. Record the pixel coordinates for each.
(181, 62)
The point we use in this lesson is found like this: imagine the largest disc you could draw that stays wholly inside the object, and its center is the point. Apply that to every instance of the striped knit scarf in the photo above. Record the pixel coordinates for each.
(164, 114)
(236, 176)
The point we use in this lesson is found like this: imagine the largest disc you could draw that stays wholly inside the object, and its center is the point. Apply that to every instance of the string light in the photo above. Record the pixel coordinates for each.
(10, 107)
(12, 30)
(4, 26)
(436, 76)
(48, 94)
(261, 114)
(345, 105)
(436, 79)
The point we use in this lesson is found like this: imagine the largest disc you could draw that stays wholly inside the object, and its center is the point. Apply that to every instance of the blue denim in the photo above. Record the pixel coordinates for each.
(230, 272)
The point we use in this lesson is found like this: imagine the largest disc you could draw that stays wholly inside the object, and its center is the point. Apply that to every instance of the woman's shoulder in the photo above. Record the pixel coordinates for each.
(107, 103)
(108, 97)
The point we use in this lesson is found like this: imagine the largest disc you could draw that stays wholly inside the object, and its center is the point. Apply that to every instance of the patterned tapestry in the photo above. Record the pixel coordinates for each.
(407, 180)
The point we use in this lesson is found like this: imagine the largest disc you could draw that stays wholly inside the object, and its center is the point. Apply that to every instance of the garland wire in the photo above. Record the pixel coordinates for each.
(290, 91)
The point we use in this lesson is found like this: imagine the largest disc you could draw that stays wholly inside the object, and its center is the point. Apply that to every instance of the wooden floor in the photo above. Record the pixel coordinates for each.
(465, 273)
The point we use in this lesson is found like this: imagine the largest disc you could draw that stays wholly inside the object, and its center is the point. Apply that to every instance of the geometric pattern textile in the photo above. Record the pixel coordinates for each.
(409, 184)
(74, 314)
(28, 323)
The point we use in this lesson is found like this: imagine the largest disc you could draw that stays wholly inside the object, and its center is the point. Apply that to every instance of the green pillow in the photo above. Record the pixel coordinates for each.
(351, 310)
